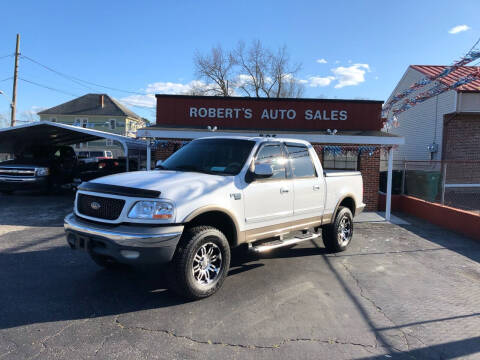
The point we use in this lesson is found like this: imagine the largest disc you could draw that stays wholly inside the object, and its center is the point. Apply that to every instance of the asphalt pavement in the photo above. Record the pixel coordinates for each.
(408, 291)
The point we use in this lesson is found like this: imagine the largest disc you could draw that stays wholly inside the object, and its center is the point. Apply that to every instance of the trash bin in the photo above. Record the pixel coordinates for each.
(396, 181)
(423, 184)
(432, 184)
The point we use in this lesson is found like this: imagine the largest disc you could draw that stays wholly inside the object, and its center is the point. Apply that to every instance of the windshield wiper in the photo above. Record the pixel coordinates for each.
(188, 168)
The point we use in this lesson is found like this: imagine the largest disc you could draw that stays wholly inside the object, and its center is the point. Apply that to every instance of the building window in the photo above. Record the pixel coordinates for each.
(109, 142)
(53, 119)
(344, 161)
(112, 124)
(82, 122)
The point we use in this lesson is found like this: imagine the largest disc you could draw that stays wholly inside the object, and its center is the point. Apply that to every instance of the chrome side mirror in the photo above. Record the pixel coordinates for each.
(263, 171)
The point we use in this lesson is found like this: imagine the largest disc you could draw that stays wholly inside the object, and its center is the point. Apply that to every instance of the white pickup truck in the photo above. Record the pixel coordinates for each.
(208, 197)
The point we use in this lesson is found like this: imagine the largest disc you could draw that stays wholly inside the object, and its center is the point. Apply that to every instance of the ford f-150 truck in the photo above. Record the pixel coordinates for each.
(212, 195)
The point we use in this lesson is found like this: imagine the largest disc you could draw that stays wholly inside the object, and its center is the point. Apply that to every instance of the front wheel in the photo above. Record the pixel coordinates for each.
(201, 262)
(338, 235)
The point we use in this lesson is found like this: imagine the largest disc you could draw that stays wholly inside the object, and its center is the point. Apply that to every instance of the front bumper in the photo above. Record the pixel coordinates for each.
(23, 183)
(129, 244)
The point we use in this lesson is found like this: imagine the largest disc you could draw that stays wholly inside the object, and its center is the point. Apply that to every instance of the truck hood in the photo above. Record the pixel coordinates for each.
(21, 165)
(172, 184)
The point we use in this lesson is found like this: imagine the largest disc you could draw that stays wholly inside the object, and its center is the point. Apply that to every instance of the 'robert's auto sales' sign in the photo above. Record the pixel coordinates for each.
(280, 114)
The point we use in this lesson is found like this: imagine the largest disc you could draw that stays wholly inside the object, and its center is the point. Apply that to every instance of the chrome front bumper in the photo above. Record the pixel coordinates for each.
(125, 235)
(129, 244)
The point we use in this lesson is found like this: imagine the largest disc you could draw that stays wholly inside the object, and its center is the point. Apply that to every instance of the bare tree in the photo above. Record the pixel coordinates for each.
(283, 81)
(253, 66)
(215, 69)
(258, 72)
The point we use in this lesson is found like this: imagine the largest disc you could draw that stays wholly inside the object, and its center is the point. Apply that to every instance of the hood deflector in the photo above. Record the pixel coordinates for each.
(119, 190)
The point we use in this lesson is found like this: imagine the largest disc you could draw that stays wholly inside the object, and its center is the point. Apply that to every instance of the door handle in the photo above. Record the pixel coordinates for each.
(284, 190)
(316, 187)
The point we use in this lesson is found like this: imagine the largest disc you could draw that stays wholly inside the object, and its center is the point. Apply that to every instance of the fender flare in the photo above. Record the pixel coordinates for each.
(345, 196)
(240, 235)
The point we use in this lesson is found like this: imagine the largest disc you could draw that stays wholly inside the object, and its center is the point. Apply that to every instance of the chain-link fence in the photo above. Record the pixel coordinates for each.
(452, 183)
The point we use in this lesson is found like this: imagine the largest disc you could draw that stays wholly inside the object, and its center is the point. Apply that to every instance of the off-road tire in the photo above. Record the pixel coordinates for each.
(331, 232)
(181, 273)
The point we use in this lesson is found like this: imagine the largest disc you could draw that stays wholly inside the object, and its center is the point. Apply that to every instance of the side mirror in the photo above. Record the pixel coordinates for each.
(263, 171)
(158, 164)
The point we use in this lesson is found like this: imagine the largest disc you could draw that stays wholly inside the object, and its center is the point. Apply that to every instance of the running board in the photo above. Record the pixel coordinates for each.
(274, 244)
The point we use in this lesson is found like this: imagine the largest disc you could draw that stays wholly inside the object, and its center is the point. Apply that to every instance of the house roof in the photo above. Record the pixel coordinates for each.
(450, 79)
(90, 104)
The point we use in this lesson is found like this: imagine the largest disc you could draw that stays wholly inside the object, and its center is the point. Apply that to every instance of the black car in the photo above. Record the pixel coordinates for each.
(38, 167)
(87, 171)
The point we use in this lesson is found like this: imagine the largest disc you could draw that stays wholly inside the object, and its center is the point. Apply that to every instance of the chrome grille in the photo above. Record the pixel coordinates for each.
(17, 172)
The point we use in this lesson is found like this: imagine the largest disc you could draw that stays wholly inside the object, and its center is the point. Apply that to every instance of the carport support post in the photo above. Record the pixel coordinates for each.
(149, 156)
(125, 150)
(389, 184)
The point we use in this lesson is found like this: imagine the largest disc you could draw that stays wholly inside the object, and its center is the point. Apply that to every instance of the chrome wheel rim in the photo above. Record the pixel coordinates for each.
(344, 231)
(207, 264)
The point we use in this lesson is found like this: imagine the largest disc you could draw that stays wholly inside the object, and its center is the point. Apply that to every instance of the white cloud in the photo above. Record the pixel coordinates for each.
(148, 100)
(351, 75)
(321, 61)
(319, 81)
(459, 28)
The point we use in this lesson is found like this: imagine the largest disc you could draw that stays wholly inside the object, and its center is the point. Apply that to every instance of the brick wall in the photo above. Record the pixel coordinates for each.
(462, 138)
(163, 151)
(369, 166)
(462, 149)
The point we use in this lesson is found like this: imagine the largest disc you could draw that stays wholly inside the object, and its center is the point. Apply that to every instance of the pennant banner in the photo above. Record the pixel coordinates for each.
(472, 55)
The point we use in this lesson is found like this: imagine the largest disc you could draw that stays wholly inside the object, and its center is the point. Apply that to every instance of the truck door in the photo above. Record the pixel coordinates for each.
(307, 183)
(271, 199)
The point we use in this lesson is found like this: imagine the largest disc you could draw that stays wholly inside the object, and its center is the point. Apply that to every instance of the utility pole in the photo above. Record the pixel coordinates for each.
(15, 75)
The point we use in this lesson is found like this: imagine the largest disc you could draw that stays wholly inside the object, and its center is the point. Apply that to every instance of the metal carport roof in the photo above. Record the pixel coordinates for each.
(52, 133)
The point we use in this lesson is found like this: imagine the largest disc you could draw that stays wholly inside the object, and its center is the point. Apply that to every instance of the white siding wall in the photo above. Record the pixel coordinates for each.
(419, 125)
(468, 102)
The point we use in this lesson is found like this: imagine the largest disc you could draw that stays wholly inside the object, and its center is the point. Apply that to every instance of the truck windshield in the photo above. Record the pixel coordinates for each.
(211, 156)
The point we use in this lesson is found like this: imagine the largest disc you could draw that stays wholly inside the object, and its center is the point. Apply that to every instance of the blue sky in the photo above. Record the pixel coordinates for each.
(148, 46)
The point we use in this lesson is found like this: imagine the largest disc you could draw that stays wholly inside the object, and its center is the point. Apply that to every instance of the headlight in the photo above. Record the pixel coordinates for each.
(151, 210)
(42, 171)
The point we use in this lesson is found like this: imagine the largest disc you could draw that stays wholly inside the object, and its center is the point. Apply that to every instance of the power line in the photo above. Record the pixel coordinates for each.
(5, 56)
(57, 72)
(78, 80)
(8, 78)
(48, 87)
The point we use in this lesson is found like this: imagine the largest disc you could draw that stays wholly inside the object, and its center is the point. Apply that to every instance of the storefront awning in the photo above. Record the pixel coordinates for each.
(323, 137)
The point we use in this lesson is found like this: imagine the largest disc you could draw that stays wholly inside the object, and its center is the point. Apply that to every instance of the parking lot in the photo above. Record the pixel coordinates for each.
(400, 291)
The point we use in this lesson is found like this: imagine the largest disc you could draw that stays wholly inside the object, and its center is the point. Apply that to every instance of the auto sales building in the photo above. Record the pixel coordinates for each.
(345, 133)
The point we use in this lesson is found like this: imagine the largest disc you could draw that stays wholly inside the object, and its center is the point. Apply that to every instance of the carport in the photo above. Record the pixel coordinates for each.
(52, 133)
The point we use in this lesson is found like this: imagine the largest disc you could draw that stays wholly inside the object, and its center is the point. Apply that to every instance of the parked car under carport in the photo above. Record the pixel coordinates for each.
(44, 158)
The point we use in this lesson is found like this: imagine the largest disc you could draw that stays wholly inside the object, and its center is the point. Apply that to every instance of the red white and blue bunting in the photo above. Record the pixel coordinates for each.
(391, 111)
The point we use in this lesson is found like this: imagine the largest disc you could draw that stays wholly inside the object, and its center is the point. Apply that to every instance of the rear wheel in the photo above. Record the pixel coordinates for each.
(200, 263)
(338, 235)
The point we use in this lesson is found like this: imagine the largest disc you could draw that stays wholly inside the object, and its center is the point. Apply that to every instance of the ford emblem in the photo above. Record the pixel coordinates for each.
(95, 205)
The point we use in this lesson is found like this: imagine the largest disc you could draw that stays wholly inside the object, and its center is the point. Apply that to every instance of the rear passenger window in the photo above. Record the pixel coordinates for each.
(273, 155)
(300, 161)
